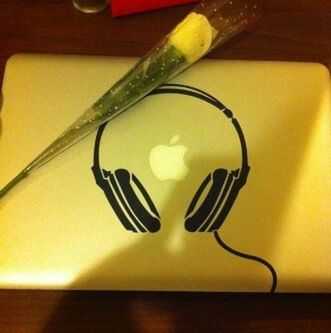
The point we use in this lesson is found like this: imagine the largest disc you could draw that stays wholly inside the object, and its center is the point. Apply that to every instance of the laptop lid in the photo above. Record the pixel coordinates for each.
(218, 181)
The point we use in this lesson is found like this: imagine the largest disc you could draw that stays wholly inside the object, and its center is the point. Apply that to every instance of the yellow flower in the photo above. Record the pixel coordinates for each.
(193, 36)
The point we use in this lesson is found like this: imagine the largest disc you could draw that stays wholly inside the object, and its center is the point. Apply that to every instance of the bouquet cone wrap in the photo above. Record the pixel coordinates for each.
(210, 24)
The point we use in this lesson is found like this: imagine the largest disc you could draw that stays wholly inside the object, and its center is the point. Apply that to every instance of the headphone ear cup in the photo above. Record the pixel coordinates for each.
(198, 195)
(144, 218)
(105, 180)
(200, 217)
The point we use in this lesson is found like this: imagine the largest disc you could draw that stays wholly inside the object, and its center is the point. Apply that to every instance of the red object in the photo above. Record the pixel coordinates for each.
(125, 7)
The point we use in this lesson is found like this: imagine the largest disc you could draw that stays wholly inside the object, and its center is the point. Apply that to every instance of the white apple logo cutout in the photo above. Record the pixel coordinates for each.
(167, 161)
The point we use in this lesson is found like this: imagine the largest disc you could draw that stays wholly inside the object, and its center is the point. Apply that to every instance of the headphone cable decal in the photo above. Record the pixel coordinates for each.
(249, 257)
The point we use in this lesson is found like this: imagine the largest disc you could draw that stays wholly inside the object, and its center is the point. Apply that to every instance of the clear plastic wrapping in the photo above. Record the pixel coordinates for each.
(211, 23)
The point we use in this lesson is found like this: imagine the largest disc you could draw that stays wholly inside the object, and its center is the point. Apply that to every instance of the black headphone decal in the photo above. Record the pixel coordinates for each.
(120, 187)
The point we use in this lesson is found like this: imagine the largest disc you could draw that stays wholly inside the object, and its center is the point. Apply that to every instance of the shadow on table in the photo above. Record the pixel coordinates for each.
(141, 312)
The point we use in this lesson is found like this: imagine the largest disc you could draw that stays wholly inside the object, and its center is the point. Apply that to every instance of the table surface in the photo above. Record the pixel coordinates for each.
(290, 30)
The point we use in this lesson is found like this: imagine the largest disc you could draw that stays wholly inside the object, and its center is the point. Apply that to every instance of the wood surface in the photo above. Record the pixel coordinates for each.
(289, 30)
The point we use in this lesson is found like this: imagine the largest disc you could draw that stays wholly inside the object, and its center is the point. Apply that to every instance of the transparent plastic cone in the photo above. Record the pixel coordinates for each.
(210, 24)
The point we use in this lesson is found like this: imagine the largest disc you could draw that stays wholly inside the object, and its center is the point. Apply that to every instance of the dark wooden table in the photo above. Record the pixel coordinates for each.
(289, 30)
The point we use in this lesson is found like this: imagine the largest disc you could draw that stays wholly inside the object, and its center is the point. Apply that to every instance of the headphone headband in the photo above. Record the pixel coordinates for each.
(197, 93)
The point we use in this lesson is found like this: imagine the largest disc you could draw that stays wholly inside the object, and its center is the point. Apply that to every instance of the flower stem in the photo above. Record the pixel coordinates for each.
(22, 175)
(159, 65)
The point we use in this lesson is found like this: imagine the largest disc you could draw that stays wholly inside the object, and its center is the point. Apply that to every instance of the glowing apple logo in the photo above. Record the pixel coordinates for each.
(167, 161)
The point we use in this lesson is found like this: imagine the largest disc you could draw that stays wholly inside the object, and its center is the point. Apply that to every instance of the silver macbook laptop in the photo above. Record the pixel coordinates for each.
(217, 181)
